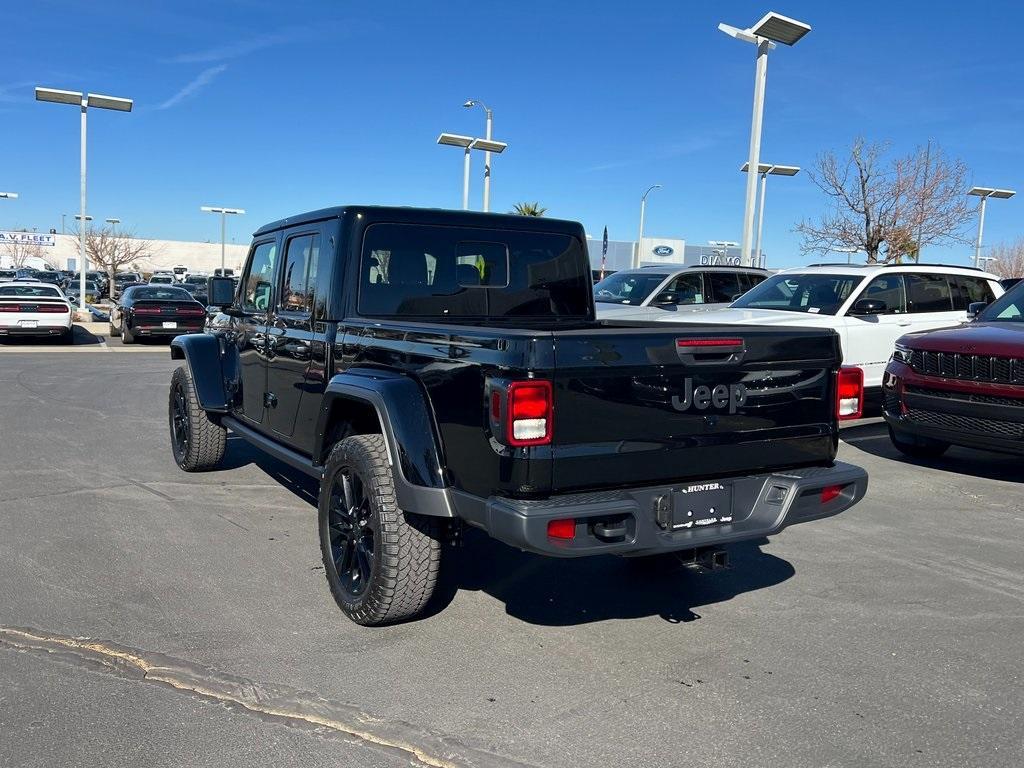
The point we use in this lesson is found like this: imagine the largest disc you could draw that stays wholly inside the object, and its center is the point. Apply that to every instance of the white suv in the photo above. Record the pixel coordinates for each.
(869, 306)
(654, 292)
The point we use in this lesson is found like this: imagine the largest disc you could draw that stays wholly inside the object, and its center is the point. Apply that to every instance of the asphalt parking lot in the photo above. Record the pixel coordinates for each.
(890, 635)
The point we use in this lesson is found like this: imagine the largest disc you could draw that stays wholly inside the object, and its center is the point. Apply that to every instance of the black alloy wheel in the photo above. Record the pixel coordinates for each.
(181, 426)
(350, 521)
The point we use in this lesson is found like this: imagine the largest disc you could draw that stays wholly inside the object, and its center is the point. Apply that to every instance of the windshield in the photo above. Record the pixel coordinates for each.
(1007, 308)
(28, 290)
(627, 287)
(161, 280)
(162, 294)
(812, 292)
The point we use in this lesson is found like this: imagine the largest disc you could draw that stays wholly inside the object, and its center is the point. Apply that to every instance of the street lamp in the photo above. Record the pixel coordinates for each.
(985, 193)
(224, 213)
(643, 210)
(84, 101)
(112, 222)
(487, 153)
(849, 251)
(456, 140)
(772, 28)
(765, 169)
(9, 195)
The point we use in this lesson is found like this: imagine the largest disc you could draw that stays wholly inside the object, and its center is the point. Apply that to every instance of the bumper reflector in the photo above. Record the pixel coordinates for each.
(562, 529)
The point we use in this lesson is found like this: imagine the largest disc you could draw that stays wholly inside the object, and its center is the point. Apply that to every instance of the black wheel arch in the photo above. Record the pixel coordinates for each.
(202, 353)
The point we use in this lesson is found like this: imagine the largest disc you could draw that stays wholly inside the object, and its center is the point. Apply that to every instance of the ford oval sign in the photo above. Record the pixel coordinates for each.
(662, 250)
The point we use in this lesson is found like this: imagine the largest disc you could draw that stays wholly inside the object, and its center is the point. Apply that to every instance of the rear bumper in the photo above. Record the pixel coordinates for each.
(50, 329)
(650, 520)
(150, 330)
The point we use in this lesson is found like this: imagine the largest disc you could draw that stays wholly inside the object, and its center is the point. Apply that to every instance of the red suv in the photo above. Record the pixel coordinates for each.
(960, 386)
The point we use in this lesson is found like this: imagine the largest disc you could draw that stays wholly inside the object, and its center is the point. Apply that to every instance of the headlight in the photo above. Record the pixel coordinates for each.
(902, 353)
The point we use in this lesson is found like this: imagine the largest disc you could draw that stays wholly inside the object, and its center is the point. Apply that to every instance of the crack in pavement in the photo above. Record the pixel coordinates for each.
(266, 700)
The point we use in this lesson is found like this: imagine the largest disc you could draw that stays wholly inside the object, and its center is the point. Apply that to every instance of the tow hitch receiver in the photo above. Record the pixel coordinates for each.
(704, 559)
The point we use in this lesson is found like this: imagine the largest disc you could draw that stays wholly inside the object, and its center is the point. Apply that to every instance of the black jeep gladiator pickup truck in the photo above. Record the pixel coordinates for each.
(438, 368)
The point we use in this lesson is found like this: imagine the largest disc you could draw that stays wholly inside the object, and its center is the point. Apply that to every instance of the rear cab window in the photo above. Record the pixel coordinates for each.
(411, 270)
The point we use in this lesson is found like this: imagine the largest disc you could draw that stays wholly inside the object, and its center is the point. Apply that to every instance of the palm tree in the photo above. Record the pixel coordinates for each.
(529, 209)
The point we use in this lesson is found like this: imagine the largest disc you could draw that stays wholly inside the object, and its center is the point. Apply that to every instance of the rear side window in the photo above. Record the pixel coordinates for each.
(298, 281)
(688, 289)
(928, 293)
(968, 290)
(430, 271)
(259, 280)
(723, 286)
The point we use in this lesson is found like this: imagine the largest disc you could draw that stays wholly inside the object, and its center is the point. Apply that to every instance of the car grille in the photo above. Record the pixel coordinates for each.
(1008, 429)
(1002, 370)
(967, 397)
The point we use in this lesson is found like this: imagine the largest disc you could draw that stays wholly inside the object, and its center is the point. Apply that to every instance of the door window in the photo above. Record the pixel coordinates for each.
(890, 289)
(298, 280)
(689, 289)
(928, 293)
(968, 290)
(259, 280)
(723, 286)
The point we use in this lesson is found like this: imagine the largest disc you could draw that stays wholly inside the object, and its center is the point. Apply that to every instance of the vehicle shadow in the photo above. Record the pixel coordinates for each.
(874, 439)
(560, 592)
(79, 337)
(240, 453)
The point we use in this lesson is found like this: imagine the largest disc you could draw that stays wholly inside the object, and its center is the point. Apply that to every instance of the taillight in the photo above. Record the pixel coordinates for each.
(53, 309)
(191, 311)
(146, 310)
(9, 308)
(529, 413)
(849, 393)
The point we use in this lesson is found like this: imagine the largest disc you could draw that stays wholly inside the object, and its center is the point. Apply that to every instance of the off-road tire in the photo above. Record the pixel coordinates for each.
(127, 337)
(206, 439)
(925, 449)
(406, 547)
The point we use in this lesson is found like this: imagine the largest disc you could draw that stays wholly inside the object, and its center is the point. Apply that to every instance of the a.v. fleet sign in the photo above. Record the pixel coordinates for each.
(27, 238)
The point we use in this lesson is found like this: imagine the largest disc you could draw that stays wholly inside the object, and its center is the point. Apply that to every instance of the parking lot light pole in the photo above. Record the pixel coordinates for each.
(487, 153)
(772, 28)
(764, 169)
(84, 101)
(466, 143)
(985, 193)
(9, 195)
(643, 210)
(224, 213)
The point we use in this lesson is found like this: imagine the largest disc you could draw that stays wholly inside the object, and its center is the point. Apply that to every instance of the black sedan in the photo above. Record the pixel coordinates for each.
(155, 311)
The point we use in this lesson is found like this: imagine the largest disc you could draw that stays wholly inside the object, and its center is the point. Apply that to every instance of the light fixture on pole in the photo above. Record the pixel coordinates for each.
(487, 153)
(985, 193)
(83, 101)
(9, 195)
(465, 142)
(643, 211)
(772, 28)
(764, 169)
(849, 251)
(224, 213)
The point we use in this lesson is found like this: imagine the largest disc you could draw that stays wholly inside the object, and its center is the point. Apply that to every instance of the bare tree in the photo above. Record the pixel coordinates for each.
(1008, 259)
(890, 209)
(112, 250)
(19, 252)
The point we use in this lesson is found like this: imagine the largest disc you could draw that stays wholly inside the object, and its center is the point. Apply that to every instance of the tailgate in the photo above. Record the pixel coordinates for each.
(639, 405)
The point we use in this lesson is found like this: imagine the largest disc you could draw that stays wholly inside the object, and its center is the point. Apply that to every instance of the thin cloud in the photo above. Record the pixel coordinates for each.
(195, 85)
(241, 47)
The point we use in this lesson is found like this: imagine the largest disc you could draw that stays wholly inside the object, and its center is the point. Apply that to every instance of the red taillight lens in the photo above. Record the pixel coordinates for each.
(562, 529)
(53, 309)
(849, 393)
(709, 342)
(831, 492)
(529, 413)
(192, 311)
(146, 310)
(9, 308)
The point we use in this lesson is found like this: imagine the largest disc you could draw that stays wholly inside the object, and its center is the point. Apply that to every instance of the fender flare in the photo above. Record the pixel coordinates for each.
(201, 352)
(409, 435)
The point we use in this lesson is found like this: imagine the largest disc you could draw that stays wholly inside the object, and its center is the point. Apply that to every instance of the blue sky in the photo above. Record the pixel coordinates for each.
(280, 108)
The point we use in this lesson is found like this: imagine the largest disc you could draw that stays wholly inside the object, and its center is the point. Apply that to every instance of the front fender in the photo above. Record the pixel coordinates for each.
(409, 434)
(201, 352)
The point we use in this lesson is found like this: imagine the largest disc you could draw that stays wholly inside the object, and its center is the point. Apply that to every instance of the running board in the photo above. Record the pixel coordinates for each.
(278, 451)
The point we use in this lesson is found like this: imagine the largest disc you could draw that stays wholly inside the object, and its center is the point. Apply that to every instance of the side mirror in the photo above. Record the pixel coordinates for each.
(221, 291)
(975, 308)
(869, 307)
(665, 298)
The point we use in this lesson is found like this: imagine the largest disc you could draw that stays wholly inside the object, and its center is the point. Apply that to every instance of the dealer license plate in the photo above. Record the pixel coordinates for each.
(170, 324)
(699, 505)
(28, 323)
